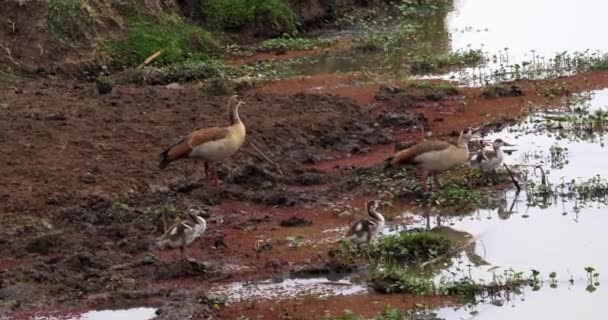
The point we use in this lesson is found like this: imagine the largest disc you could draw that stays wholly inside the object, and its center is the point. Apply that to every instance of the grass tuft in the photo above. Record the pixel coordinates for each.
(180, 41)
(236, 14)
(66, 21)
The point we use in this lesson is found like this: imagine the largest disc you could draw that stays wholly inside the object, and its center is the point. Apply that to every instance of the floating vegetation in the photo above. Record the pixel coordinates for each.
(287, 42)
(434, 62)
(593, 190)
(397, 279)
(418, 312)
(538, 67)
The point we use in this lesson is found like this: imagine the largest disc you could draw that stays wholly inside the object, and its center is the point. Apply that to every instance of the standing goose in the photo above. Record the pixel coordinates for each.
(210, 144)
(366, 229)
(488, 160)
(181, 234)
(432, 157)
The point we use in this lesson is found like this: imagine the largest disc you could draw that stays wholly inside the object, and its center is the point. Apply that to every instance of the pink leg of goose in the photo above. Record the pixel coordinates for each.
(207, 171)
(215, 178)
(424, 178)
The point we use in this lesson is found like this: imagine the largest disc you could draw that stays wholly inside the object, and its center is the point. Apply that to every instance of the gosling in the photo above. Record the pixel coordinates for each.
(368, 228)
(183, 233)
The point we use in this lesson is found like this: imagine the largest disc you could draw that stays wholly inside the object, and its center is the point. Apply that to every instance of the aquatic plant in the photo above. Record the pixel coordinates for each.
(440, 62)
(287, 42)
(410, 247)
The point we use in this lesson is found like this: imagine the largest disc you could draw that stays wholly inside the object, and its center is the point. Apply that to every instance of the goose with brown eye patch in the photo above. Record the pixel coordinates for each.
(211, 145)
(433, 157)
(183, 233)
(368, 228)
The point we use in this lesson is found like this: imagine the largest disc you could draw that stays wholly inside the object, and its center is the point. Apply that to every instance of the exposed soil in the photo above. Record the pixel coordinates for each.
(81, 190)
(81, 195)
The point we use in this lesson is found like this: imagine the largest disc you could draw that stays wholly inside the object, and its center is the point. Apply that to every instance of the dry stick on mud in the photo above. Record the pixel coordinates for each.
(150, 59)
(9, 54)
(263, 156)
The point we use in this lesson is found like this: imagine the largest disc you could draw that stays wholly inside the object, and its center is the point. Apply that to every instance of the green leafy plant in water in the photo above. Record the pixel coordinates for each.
(452, 195)
(287, 42)
(435, 62)
(410, 247)
(397, 279)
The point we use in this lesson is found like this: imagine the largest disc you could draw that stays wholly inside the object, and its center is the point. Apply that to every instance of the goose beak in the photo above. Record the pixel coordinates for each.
(506, 144)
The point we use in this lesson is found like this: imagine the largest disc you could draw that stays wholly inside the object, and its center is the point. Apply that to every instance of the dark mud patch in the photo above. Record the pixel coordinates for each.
(294, 221)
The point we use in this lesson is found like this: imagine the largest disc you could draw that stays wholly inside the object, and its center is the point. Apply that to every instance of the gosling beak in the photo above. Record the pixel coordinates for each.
(506, 144)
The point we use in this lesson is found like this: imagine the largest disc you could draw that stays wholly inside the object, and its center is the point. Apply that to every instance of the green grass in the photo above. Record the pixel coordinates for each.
(180, 41)
(411, 247)
(66, 21)
(397, 279)
(236, 14)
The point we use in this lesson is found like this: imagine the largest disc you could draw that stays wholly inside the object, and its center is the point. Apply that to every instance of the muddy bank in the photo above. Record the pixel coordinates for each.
(82, 192)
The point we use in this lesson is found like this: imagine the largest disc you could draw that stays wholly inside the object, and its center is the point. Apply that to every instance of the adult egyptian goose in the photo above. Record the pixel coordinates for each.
(210, 144)
(488, 160)
(366, 229)
(432, 157)
(181, 234)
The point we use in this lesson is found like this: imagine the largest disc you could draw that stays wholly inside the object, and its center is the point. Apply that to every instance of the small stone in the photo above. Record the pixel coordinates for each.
(174, 86)
(88, 178)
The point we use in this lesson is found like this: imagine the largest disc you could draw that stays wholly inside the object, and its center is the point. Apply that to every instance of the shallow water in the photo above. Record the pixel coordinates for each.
(289, 288)
(585, 157)
(545, 26)
(509, 33)
(127, 314)
(564, 236)
(564, 302)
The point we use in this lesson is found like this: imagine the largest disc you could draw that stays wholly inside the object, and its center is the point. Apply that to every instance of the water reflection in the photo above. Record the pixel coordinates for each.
(127, 314)
(289, 288)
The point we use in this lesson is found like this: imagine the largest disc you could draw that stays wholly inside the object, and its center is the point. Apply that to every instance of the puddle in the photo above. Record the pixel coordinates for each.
(516, 32)
(127, 314)
(564, 235)
(564, 302)
(545, 26)
(523, 32)
(290, 288)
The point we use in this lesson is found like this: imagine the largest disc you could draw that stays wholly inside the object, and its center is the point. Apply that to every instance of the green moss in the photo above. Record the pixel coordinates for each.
(235, 14)
(179, 40)
(66, 21)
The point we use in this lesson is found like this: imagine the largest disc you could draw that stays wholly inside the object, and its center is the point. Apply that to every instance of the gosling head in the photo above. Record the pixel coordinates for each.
(498, 143)
(372, 205)
(196, 212)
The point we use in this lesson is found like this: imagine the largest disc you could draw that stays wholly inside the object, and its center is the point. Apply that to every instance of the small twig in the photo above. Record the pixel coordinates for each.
(150, 59)
(517, 186)
(9, 54)
(264, 157)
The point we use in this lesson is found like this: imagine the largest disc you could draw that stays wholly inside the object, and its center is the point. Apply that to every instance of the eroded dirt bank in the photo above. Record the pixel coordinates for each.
(81, 191)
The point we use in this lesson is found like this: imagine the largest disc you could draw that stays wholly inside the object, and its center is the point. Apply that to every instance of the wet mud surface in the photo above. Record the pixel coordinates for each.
(82, 192)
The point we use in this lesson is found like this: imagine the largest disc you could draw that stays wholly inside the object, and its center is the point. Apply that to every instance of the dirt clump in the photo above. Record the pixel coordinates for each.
(294, 221)
(501, 90)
